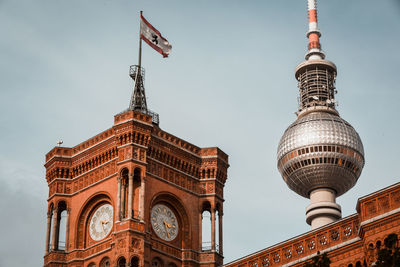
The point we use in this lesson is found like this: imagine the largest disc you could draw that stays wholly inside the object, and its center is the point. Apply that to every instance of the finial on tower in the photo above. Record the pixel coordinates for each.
(313, 34)
(138, 99)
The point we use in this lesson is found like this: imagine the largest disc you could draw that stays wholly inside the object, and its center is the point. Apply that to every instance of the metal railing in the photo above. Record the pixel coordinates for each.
(59, 248)
(133, 71)
(154, 116)
(206, 246)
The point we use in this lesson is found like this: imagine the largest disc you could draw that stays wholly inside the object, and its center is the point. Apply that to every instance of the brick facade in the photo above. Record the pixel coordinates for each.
(133, 166)
(350, 242)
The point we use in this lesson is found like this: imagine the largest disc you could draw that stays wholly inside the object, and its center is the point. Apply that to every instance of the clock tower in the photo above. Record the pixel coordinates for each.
(135, 195)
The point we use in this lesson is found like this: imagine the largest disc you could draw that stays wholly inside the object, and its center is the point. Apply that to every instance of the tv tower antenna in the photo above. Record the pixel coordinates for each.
(313, 34)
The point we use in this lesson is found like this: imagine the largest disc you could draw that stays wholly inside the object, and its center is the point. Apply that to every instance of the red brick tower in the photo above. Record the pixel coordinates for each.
(134, 195)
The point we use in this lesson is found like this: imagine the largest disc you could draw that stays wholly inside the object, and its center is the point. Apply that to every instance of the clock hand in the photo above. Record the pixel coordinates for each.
(102, 225)
(166, 228)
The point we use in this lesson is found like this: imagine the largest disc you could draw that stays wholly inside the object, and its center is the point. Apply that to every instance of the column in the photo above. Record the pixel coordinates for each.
(141, 197)
(118, 210)
(49, 213)
(59, 211)
(130, 196)
(212, 229)
(54, 230)
(123, 186)
(220, 232)
(201, 231)
(323, 208)
(67, 231)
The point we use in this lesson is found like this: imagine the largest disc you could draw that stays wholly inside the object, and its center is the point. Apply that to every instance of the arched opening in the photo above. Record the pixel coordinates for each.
(217, 231)
(135, 262)
(62, 230)
(105, 262)
(124, 193)
(171, 264)
(121, 262)
(136, 193)
(358, 264)
(92, 264)
(157, 262)
(58, 227)
(206, 227)
(378, 244)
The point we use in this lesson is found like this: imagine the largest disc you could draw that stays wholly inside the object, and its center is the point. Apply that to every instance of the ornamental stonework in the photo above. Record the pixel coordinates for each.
(131, 168)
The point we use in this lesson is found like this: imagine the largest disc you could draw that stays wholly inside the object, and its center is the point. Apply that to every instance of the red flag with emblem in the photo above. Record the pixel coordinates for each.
(153, 37)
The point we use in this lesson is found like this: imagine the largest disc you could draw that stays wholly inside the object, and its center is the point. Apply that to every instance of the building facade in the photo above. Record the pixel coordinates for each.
(350, 242)
(134, 195)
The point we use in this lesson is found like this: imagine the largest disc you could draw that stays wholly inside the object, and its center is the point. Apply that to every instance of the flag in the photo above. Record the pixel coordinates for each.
(152, 37)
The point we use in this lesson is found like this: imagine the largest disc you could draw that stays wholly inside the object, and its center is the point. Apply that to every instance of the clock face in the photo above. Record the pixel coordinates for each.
(164, 222)
(101, 222)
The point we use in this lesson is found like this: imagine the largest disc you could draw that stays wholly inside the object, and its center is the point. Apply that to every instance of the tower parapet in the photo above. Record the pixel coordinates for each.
(320, 155)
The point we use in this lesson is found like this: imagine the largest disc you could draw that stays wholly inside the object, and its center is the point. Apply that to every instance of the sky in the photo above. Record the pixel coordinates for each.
(229, 82)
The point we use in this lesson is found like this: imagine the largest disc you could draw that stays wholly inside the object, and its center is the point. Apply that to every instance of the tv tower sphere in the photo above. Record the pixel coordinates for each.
(320, 155)
(320, 150)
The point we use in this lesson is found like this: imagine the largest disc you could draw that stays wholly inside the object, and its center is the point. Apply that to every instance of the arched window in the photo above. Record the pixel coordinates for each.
(58, 226)
(206, 227)
(62, 230)
(124, 193)
(157, 262)
(135, 262)
(92, 264)
(358, 264)
(136, 192)
(378, 244)
(121, 262)
(105, 262)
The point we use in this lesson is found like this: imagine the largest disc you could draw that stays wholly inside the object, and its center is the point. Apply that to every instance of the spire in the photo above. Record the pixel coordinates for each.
(313, 34)
(138, 99)
(316, 76)
(313, 154)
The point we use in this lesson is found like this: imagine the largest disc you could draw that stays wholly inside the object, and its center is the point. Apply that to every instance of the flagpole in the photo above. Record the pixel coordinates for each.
(140, 41)
(138, 71)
